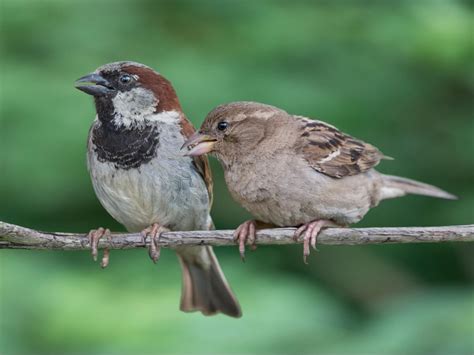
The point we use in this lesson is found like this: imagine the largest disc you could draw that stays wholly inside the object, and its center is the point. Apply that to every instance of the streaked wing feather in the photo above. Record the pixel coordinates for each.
(333, 152)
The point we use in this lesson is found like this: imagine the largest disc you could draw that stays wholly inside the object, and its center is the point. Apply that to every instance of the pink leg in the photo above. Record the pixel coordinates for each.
(311, 231)
(94, 236)
(246, 232)
(154, 232)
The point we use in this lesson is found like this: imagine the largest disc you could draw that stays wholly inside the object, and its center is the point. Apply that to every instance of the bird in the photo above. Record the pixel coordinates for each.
(143, 180)
(292, 171)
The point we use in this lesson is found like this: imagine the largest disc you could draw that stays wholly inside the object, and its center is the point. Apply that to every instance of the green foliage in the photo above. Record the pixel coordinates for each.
(396, 74)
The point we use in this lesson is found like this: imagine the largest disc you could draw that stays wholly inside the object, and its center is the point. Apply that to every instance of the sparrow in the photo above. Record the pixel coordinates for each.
(143, 180)
(291, 171)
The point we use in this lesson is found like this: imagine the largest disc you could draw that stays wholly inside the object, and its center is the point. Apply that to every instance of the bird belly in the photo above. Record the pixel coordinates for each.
(163, 191)
(302, 195)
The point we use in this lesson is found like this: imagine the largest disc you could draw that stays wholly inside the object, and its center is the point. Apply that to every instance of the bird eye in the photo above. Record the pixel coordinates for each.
(222, 126)
(125, 79)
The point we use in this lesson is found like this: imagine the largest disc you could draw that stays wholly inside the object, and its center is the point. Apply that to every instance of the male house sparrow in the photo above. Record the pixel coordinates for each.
(143, 180)
(289, 170)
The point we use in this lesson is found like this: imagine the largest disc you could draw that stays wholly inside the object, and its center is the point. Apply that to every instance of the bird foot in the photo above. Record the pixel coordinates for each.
(154, 232)
(94, 236)
(246, 232)
(311, 231)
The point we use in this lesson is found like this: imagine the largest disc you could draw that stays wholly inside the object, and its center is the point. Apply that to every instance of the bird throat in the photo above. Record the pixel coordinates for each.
(125, 148)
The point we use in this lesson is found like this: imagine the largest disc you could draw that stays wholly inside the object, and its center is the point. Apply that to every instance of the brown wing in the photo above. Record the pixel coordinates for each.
(200, 162)
(202, 165)
(333, 152)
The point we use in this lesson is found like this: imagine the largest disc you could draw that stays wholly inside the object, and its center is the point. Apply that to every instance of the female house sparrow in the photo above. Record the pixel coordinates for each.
(143, 180)
(289, 170)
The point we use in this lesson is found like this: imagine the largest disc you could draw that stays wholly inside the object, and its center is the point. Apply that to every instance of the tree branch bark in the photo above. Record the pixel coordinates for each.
(17, 237)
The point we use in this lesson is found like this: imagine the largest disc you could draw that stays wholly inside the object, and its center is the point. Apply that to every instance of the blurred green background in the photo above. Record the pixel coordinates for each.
(396, 74)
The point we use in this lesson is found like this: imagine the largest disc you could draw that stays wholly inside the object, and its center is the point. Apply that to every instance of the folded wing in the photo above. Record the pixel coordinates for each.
(334, 153)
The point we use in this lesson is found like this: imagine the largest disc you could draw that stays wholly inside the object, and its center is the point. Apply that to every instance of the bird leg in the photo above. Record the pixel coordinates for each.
(246, 232)
(311, 231)
(154, 232)
(94, 236)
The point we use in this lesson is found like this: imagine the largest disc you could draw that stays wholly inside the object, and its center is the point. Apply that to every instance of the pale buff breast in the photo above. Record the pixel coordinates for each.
(291, 193)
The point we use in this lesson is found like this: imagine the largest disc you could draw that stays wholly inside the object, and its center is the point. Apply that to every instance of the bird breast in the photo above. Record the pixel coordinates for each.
(288, 192)
(166, 189)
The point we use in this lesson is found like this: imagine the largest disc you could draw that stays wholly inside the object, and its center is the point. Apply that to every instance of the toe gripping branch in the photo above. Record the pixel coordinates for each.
(311, 231)
(246, 233)
(94, 237)
(154, 232)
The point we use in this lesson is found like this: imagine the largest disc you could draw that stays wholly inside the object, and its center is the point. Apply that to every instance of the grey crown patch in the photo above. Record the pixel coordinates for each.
(117, 66)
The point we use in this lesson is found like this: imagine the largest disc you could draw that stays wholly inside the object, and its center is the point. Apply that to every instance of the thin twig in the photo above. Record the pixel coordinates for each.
(17, 237)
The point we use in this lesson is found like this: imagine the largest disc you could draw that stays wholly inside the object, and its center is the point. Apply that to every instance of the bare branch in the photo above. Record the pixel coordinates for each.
(17, 237)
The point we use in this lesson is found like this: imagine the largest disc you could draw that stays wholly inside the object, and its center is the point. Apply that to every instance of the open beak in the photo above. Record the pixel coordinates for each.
(199, 144)
(95, 85)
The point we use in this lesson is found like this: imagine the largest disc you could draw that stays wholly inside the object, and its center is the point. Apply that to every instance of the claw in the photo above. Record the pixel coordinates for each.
(311, 231)
(299, 231)
(252, 234)
(246, 233)
(93, 242)
(306, 241)
(154, 231)
(155, 250)
(94, 236)
(314, 238)
(242, 239)
(105, 259)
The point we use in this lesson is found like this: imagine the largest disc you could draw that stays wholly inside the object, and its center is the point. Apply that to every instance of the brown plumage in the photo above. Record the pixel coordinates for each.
(292, 171)
(332, 152)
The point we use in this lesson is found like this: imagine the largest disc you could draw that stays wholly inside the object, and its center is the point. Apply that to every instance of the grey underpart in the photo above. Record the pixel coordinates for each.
(141, 196)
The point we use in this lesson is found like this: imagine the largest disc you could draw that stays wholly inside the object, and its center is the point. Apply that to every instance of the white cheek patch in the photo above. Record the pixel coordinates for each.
(166, 117)
(134, 106)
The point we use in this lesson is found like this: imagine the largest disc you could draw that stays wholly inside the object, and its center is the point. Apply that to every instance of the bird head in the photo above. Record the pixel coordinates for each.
(127, 93)
(232, 129)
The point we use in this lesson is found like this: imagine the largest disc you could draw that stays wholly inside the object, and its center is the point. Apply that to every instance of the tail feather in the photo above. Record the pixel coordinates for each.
(205, 288)
(395, 186)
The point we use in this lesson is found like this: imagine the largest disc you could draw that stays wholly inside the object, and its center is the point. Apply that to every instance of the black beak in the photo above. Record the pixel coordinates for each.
(96, 85)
